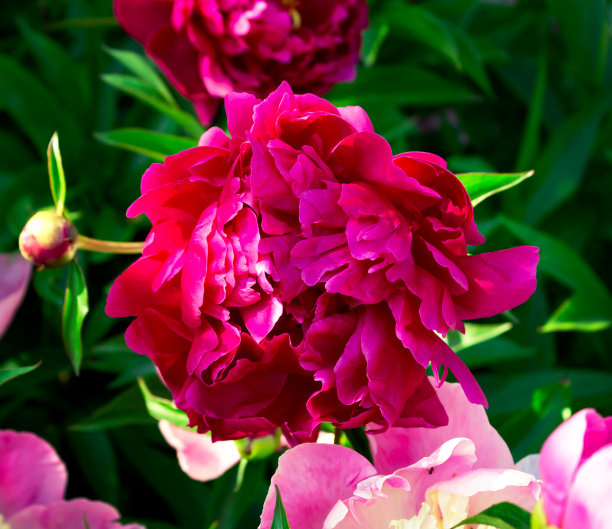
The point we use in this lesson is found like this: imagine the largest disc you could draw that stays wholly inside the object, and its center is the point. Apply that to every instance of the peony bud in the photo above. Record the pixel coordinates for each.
(256, 448)
(48, 240)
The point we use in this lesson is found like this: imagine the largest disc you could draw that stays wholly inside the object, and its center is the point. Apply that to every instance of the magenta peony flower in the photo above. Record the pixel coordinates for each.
(576, 472)
(15, 274)
(369, 252)
(32, 485)
(437, 481)
(210, 49)
(203, 303)
(298, 273)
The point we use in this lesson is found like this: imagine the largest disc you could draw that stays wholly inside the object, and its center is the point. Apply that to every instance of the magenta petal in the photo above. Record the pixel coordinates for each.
(589, 502)
(31, 473)
(199, 457)
(69, 515)
(311, 479)
(15, 274)
(141, 17)
(401, 447)
(499, 281)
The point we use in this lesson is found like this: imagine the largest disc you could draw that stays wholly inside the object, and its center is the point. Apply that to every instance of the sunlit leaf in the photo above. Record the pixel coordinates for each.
(502, 515)
(76, 306)
(152, 144)
(481, 186)
(162, 409)
(57, 180)
(279, 520)
(10, 371)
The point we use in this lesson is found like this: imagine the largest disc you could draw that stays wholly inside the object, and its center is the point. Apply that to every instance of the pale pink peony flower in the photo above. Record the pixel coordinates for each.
(32, 486)
(210, 49)
(576, 472)
(436, 483)
(15, 274)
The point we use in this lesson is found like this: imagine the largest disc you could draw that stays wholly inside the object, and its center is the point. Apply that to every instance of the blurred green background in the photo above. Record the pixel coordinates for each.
(495, 86)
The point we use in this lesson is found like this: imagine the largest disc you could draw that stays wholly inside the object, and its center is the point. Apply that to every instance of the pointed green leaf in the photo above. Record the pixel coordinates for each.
(143, 92)
(57, 180)
(142, 68)
(359, 441)
(162, 409)
(590, 307)
(152, 144)
(126, 409)
(279, 521)
(8, 371)
(76, 306)
(476, 333)
(502, 515)
(481, 186)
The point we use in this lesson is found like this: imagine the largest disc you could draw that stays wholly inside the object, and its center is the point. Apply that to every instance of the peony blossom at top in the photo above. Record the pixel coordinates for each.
(209, 49)
(576, 472)
(32, 485)
(298, 273)
(420, 482)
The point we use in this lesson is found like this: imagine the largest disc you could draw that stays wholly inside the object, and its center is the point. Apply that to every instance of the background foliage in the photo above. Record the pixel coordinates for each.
(489, 85)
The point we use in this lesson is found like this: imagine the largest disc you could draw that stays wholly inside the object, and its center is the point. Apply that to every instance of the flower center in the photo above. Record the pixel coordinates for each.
(293, 5)
(3, 524)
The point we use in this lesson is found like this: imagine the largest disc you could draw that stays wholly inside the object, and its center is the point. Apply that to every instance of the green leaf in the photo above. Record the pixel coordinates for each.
(481, 186)
(76, 306)
(402, 84)
(57, 180)
(359, 442)
(564, 160)
(502, 515)
(279, 521)
(417, 23)
(10, 371)
(590, 307)
(162, 409)
(476, 333)
(373, 39)
(471, 59)
(495, 351)
(126, 409)
(142, 68)
(143, 92)
(152, 144)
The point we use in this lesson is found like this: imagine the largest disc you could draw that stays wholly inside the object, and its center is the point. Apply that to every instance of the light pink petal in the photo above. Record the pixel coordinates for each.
(31, 472)
(15, 274)
(199, 457)
(401, 447)
(589, 502)
(486, 487)
(453, 458)
(69, 515)
(311, 479)
(562, 453)
(530, 465)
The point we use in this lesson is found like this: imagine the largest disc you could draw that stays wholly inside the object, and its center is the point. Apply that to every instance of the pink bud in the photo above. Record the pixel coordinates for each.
(48, 240)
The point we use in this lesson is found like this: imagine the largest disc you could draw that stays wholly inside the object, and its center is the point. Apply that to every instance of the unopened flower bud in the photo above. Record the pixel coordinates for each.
(256, 448)
(48, 240)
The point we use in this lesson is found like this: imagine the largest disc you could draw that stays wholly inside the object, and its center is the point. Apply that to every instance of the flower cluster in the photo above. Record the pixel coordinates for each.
(298, 273)
(32, 485)
(210, 49)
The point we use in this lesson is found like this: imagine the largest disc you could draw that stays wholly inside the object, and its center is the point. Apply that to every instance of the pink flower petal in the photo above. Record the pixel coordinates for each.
(69, 515)
(198, 456)
(401, 447)
(31, 473)
(15, 274)
(311, 479)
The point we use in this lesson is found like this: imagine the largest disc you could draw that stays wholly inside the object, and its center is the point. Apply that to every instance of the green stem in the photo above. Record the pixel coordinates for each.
(96, 245)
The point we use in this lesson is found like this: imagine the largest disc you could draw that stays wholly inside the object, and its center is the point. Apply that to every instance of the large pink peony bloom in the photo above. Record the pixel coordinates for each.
(298, 273)
(209, 49)
(436, 481)
(32, 485)
(576, 472)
